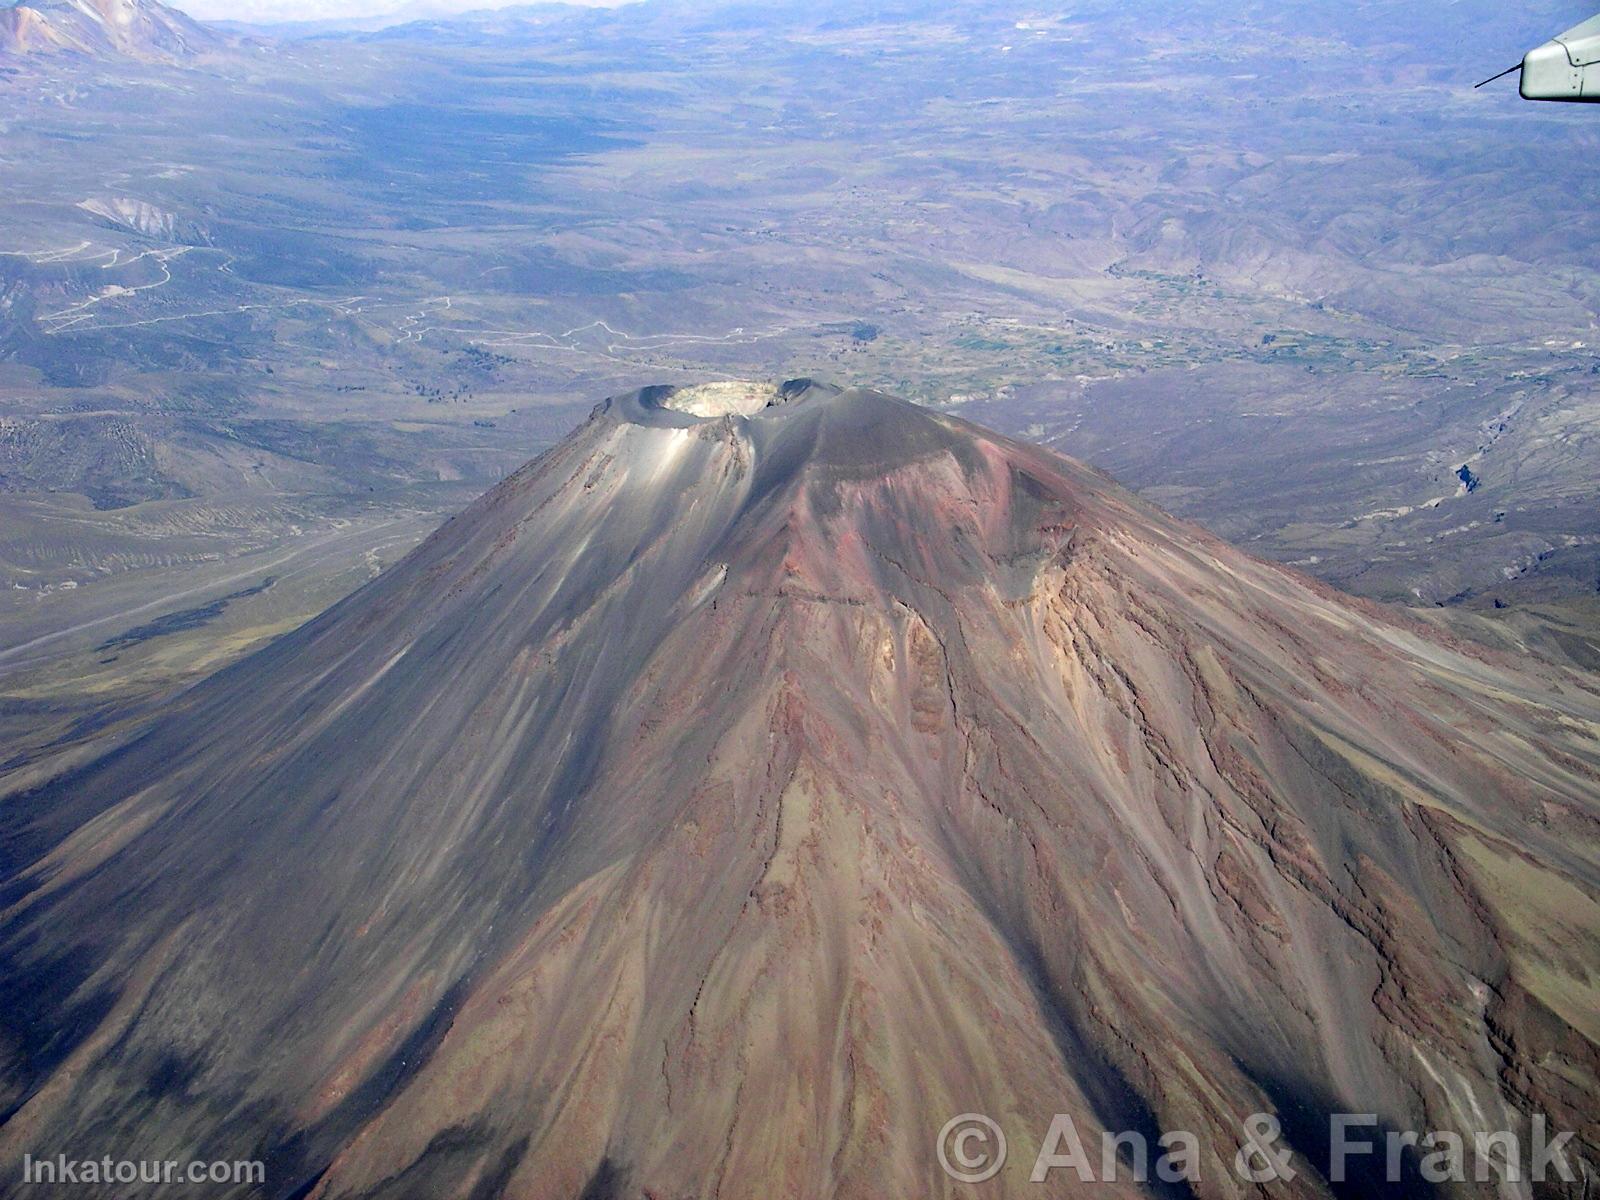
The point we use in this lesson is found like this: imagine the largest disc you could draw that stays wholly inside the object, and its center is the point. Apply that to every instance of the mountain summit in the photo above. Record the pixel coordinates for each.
(104, 29)
(763, 777)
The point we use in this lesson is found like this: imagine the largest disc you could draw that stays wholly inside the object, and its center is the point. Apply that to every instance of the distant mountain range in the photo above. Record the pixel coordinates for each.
(105, 29)
(765, 776)
(354, 16)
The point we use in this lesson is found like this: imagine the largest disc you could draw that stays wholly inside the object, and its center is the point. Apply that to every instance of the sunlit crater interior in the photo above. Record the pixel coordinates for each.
(722, 399)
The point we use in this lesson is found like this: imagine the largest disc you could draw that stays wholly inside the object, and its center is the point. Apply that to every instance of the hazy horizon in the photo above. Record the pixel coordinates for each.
(274, 11)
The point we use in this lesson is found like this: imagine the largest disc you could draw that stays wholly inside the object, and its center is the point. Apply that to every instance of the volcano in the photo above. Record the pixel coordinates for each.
(105, 30)
(765, 776)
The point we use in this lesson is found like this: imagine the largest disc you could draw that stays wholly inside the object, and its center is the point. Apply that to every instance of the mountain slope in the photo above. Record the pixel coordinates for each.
(758, 780)
(104, 29)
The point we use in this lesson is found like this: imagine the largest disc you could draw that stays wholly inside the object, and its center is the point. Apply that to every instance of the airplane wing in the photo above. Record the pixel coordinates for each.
(1566, 67)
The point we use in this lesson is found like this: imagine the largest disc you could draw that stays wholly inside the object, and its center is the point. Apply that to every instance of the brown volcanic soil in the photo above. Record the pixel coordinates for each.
(722, 803)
